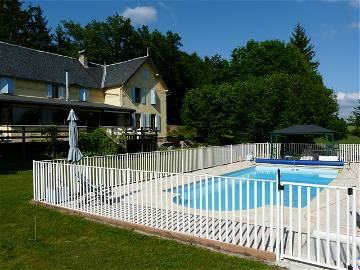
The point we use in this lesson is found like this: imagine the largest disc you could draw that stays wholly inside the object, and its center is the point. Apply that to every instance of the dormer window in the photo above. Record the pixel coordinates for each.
(6, 86)
(53, 91)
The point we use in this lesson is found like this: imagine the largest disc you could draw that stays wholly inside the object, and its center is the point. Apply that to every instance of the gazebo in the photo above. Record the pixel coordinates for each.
(301, 130)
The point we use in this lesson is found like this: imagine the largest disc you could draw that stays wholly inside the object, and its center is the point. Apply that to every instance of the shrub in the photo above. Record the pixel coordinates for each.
(356, 132)
(53, 142)
(99, 143)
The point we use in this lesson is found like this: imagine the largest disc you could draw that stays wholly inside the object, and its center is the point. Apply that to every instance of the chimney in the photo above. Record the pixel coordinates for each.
(82, 58)
(67, 85)
(104, 76)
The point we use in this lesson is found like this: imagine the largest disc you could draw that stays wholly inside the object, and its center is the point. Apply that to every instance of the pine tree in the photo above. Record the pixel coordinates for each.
(36, 31)
(12, 21)
(26, 27)
(300, 40)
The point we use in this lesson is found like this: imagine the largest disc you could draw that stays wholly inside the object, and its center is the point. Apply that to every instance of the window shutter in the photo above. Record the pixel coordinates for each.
(134, 120)
(62, 92)
(142, 120)
(153, 97)
(49, 91)
(83, 94)
(146, 74)
(143, 96)
(10, 86)
(148, 120)
(158, 122)
(132, 94)
(6, 85)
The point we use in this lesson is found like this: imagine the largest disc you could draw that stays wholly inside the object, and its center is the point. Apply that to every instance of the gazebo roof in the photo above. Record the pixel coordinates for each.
(303, 130)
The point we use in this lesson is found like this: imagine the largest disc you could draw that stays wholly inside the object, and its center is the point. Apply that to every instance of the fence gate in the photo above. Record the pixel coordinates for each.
(319, 225)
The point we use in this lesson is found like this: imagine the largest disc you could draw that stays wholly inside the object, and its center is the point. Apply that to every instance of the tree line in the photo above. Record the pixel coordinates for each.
(263, 86)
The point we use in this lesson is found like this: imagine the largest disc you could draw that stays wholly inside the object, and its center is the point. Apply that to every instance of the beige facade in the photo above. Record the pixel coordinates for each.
(147, 79)
(38, 89)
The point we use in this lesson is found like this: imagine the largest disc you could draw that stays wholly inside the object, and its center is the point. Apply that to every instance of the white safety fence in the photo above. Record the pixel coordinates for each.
(180, 160)
(311, 223)
(191, 159)
(349, 152)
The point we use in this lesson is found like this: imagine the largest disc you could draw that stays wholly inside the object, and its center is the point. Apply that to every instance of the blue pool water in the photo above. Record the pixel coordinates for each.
(242, 194)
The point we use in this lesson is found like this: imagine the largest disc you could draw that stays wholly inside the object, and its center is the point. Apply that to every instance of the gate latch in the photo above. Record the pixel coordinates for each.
(279, 185)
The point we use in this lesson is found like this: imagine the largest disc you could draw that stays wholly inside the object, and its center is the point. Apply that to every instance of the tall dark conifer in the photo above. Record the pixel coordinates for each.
(24, 26)
(12, 21)
(37, 33)
(300, 40)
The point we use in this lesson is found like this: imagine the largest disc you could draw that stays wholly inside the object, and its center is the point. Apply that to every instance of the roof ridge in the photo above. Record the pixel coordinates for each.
(74, 58)
(40, 51)
(146, 56)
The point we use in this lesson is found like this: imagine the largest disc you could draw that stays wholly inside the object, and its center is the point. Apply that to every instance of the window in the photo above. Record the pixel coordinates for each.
(62, 92)
(137, 94)
(25, 116)
(6, 85)
(137, 120)
(5, 115)
(83, 94)
(152, 121)
(158, 122)
(53, 91)
(153, 96)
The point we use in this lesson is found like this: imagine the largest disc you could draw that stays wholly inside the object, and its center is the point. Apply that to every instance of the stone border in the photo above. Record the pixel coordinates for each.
(187, 239)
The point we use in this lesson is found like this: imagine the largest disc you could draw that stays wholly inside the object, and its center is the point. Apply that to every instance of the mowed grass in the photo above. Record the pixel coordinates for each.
(68, 242)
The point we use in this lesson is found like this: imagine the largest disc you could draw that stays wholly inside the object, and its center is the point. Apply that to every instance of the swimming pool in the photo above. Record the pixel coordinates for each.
(241, 190)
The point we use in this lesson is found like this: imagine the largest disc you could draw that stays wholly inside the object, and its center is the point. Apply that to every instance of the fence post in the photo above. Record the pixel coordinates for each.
(34, 180)
(279, 216)
(127, 160)
(182, 160)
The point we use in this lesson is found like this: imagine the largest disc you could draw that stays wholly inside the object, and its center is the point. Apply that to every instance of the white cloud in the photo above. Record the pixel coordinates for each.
(355, 25)
(140, 14)
(347, 102)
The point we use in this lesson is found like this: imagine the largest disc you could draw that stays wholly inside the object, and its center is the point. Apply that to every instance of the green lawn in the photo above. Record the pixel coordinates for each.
(349, 138)
(68, 242)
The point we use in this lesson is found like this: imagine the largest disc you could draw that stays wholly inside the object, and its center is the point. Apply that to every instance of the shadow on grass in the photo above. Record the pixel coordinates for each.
(14, 166)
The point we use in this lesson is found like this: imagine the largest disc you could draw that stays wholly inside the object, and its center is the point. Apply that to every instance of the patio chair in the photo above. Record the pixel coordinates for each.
(100, 192)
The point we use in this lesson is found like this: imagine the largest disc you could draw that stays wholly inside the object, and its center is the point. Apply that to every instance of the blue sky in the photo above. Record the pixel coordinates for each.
(210, 27)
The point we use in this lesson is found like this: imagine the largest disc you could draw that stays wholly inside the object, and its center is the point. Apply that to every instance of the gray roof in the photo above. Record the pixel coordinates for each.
(25, 63)
(303, 130)
(120, 73)
(62, 103)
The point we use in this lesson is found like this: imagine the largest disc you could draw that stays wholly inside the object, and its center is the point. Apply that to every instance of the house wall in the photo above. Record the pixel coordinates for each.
(39, 89)
(121, 95)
